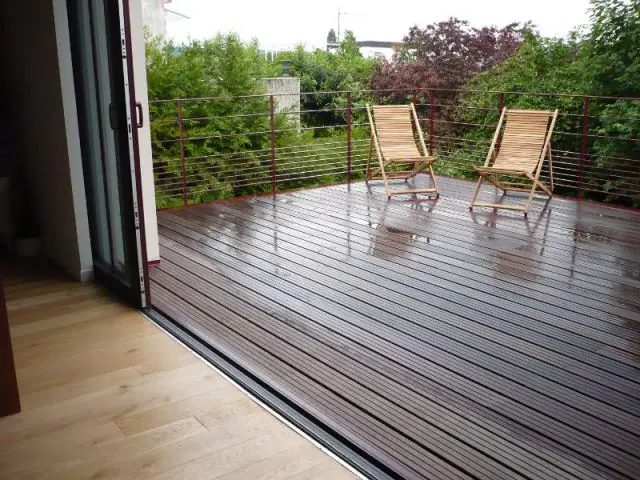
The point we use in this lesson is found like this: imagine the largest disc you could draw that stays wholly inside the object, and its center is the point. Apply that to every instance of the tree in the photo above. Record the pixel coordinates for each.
(396, 80)
(613, 46)
(447, 55)
(539, 65)
(216, 130)
(320, 72)
(455, 52)
(227, 146)
(600, 61)
(613, 62)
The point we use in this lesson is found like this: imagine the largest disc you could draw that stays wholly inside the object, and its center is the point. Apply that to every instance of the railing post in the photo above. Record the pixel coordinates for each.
(432, 120)
(349, 126)
(182, 158)
(272, 127)
(583, 147)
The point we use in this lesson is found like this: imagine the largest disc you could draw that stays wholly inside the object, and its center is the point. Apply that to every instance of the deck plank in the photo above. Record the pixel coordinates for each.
(441, 342)
(303, 228)
(299, 301)
(404, 306)
(365, 211)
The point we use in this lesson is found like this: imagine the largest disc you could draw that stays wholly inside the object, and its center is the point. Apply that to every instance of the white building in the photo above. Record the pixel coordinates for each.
(154, 18)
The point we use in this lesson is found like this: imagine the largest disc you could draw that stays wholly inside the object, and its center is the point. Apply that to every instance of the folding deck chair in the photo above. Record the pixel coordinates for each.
(392, 134)
(518, 155)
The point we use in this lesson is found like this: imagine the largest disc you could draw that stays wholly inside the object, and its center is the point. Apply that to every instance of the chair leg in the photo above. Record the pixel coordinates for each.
(530, 199)
(383, 173)
(435, 182)
(535, 183)
(386, 184)
(475, 195)
(366, 177)
(550, 163)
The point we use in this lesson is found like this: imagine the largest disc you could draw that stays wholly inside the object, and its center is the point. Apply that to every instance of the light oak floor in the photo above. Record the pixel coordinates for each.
(106, 394)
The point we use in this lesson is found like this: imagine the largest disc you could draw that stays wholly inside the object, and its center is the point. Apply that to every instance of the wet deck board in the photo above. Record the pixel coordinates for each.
(444, 343)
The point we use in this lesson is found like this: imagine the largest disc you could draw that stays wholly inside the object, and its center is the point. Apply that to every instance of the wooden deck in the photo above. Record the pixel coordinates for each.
(442, 343)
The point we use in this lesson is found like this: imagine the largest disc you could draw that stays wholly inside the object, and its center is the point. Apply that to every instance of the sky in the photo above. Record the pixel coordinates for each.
(285, 23)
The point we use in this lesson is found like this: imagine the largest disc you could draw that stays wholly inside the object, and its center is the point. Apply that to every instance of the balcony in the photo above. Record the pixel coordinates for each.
(437, 342)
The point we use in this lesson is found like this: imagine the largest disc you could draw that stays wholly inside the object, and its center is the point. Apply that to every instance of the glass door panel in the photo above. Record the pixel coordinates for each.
(99, 55)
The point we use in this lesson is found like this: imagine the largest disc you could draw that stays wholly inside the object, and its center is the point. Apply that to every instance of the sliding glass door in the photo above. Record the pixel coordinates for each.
(108, 124)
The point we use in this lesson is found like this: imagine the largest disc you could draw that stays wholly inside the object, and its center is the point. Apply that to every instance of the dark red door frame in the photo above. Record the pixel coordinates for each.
(135, 109)
(9, 398)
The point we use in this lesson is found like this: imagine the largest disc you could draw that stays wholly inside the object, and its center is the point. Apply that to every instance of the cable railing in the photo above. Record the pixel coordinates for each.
(212, 148)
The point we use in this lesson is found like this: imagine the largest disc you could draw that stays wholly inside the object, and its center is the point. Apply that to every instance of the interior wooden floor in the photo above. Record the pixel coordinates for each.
(446, 344)
(106, 394)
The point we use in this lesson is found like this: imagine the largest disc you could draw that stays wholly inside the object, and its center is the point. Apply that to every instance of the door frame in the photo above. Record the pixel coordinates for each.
(135, 109)
(134, 235)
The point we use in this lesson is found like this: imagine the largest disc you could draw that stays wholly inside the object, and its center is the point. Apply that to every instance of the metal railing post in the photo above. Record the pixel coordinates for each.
(182, 158)
(272, 127)
(349, 126)
(583, 147)
(432, 120)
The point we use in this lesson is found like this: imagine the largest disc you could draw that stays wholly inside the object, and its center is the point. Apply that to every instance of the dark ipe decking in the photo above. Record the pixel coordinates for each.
(443, 343)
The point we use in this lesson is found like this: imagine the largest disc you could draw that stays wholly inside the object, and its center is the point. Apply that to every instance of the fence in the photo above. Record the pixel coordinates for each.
(210, 148)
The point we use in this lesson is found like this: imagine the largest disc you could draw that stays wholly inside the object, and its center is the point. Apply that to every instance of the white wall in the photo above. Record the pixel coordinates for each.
(38, 83)
(286, 92)
(74, 151)
(144, 133)
(286, 96)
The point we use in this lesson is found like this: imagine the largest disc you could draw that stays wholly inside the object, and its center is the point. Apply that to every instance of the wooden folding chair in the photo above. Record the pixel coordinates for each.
(518, 154)
(392, 134)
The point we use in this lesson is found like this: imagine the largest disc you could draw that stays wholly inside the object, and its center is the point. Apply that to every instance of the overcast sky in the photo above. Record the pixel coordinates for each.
(280, 24)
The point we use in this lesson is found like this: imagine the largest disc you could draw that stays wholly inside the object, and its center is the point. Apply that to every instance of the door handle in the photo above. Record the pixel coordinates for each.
(113, 116)
(140, 118)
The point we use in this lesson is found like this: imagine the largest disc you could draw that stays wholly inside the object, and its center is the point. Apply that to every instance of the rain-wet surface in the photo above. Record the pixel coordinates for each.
(441, 342)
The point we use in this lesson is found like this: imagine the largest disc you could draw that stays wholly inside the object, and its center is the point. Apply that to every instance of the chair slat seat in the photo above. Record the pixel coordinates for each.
(398, 140)
(524, 146)
(411, 159)
(506, 169)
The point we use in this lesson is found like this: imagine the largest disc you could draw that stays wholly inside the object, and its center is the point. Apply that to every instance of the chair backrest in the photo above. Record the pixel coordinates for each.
(525, 135)
(392, 126)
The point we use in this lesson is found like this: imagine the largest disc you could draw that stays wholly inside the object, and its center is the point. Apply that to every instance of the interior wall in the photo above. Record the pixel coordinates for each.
(38, 90)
